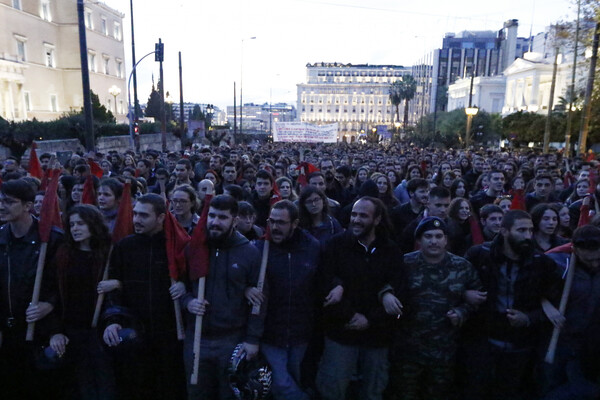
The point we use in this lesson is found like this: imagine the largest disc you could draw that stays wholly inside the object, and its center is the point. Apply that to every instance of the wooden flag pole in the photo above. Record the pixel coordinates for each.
(198, 333)
(101, 295)
(37, 287)
(261, 275)
(561, 308)
(178, 316)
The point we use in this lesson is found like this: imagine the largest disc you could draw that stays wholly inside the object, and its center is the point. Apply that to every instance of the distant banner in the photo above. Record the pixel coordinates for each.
(304, 132)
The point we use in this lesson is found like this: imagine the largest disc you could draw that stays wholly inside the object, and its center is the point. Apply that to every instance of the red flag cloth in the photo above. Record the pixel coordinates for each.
(95, 168)
(35, 168)
(45, 179)
(177, 240)
(198, 251)
(89, 194)
(476, 234)
(584, 215)
(568, 179)
(565, 248)
(518, 200)
(305, 169)
(50, 214)
(424, 168)
(276, 196)
(593, 180)
(124, 221)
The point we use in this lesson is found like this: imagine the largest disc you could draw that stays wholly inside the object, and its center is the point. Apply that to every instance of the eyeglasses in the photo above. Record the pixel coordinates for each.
(277, 222)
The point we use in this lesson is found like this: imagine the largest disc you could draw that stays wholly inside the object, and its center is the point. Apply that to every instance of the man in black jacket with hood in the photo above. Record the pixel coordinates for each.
(501, 337)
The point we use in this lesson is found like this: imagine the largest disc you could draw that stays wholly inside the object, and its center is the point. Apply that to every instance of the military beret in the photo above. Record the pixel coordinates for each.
(430, 223)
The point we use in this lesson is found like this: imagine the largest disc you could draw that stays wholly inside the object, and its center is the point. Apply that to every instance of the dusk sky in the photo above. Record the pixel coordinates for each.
(291, 33)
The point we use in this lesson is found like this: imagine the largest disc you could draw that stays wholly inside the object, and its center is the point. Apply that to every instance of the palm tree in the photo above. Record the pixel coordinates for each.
(403, 89)
(395, 97)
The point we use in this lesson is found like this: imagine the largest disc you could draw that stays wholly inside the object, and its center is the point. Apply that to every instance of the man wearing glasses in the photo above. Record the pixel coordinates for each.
(19, 251)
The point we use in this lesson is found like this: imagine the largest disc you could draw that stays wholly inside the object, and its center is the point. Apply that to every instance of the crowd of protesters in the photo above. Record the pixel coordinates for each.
(392, 273)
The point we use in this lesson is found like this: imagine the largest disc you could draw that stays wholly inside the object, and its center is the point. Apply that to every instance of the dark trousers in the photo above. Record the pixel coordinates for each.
(564, 378)
(497, 373)
(19, 377)
(153, 370)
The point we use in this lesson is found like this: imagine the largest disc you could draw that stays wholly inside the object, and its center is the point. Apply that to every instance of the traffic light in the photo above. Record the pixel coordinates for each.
(159, 51)
(136, 128)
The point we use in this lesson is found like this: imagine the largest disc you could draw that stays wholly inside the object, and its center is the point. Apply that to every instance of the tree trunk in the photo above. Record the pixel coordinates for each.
(587, 106)
(405, 122)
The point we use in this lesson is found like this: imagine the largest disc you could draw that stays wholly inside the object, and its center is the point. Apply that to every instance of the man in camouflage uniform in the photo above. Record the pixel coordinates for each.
(435, 308)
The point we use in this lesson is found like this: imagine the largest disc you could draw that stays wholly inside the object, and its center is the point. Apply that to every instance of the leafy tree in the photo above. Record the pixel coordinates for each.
(197, 114)
(99, 112)
(153, 105)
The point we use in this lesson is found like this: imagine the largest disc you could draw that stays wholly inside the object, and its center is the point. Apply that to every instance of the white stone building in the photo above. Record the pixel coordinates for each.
(40, 68)
(354, 96)
(487, 94)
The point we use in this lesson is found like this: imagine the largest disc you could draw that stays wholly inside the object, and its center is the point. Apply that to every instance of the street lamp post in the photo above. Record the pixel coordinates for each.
(471, 112)
(210, 109)
(241, 84)
(114, 90)
(397, 125)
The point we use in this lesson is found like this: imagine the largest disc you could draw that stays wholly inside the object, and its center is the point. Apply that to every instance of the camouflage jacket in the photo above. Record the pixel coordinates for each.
(432, 290)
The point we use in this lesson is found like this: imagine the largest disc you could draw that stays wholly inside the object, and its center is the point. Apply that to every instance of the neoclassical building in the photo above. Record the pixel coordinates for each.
(354, 96)
(40, 68)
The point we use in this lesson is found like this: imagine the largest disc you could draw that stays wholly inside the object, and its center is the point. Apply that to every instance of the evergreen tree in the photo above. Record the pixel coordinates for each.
(153, 105)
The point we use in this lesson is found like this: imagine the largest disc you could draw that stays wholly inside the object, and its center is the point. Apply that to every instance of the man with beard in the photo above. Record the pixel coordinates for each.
(434, 296)
(500, 339)
(234, 268)
(140, 263)
(359, 263)
(290, 285)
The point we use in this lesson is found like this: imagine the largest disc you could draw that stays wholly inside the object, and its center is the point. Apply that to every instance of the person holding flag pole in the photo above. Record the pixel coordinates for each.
(25, 298)
(151, 269)
(226, 319)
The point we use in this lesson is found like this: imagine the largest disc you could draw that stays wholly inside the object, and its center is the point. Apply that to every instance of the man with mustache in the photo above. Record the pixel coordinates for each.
(501, 337)
(291, 271)
(359, 263)
(234, 267)
(436, 308)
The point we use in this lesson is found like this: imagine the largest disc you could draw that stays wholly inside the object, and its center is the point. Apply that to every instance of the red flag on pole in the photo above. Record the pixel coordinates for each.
(50, 214)
(95, 168)
(89, 194)
(198, 251)
(124, 221)
(305, 169)
(476, 234)
(584, 215)
(518, 200)
(177, 240)
(35, 168)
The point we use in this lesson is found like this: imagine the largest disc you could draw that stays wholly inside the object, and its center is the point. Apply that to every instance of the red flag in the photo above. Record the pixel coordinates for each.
(276, 196)
(45, 179)
(565, 248)
(305, 169)
(568, 179)
(424, 168)
(518, 200)
(95, 168)
(124, 221)
(35, 168)
(89, 194)
(50, 214)
(584, 215)
(198, 251)
(593, 178)
(476, 234)
(177, 240)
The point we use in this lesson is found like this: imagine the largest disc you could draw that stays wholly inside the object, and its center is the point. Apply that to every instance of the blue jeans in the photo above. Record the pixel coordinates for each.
(340, 362)
(285, 363)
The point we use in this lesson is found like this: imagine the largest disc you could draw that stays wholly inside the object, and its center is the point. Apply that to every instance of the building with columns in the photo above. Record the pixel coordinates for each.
(40, 68)
(354, 96)
(487, 93)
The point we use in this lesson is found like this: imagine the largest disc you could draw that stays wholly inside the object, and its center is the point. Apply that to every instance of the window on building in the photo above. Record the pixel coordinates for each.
(119, 65)
(120, 109)
(104, 26)
(21, 55)
(117, 31)
(106, 65)
(92, 61)
(108, 105)
(45, 10)
(16, 4)
(49, 56)
(88, 18)
(53, 103)
(27, 99)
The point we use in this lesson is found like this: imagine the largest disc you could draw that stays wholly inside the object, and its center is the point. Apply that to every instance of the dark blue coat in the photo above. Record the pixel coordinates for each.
(291, 289)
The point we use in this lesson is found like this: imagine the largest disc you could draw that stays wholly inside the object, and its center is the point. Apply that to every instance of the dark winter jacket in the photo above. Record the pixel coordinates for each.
(363, 273)
(234, 266)
(537, 278)
(291, 289)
